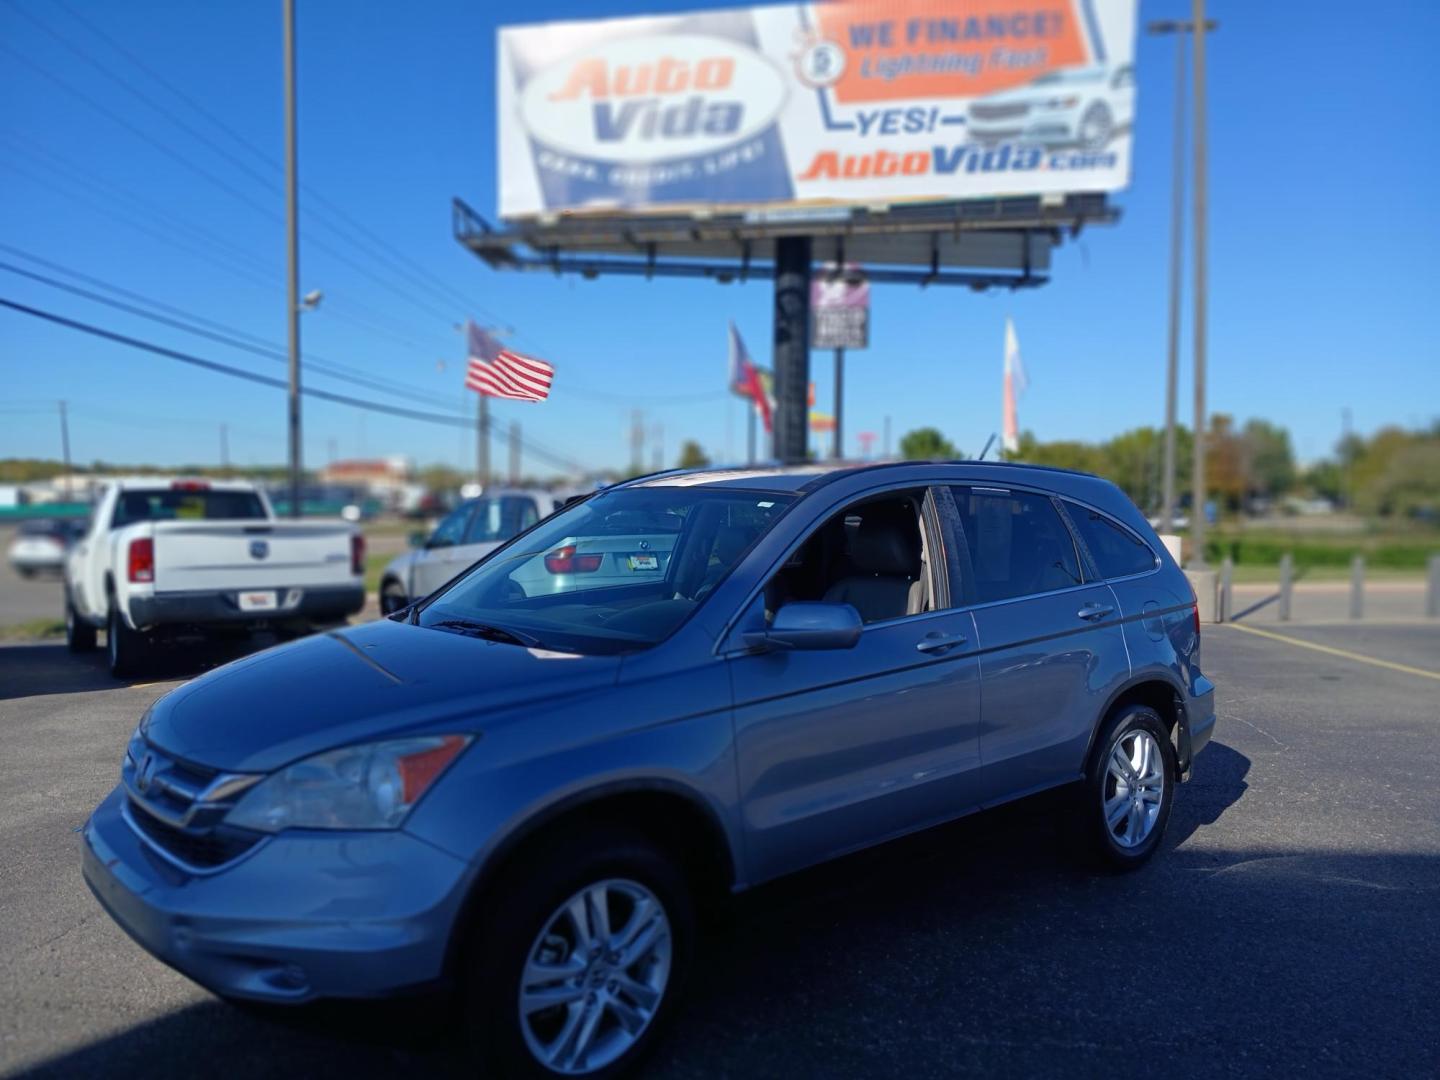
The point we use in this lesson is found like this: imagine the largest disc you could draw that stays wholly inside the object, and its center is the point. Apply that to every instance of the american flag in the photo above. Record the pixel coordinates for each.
(496, 371)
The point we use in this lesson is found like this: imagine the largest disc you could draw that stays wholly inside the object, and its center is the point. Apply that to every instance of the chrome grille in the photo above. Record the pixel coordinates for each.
(177, 807)
(999, 112)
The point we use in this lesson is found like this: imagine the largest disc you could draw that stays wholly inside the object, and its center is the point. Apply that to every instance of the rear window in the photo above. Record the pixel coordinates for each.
(168, 504)
(1116, 550)
(1018, 544)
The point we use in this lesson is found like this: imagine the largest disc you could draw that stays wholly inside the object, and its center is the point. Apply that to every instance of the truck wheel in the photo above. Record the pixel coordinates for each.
(577, 964)
(79, 634)
(125, 648)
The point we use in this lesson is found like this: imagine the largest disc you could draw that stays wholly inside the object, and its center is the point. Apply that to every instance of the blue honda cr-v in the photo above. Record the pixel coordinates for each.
(679, 687)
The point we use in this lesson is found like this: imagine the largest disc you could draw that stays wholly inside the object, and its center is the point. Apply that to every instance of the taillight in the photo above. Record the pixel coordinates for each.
(189, 485)
(564, 561)
(1196, 612)
(357, 554)
(142, 560)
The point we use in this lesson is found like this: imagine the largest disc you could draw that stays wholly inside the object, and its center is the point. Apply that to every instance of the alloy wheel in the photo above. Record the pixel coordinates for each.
(595, 976)
(1134, 788)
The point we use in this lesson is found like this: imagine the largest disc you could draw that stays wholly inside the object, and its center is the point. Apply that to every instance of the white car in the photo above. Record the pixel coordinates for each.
(173, 558)
(40, 546)
(469, 532)
(1083, 106)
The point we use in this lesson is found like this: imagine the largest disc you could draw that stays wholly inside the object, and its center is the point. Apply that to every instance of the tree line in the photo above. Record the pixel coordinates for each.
(1394, 473)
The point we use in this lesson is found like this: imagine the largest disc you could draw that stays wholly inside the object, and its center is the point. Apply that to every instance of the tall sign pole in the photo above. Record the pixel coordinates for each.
(1177, 239)
(1197, 516)
(292, 242)
(838, 451)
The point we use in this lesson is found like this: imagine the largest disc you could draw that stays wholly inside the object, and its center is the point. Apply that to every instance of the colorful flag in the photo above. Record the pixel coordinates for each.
(496, 371)
(1015, 384)
(746, 378)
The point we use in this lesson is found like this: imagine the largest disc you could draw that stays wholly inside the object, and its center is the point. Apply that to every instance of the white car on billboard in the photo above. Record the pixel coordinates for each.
(1084, 106)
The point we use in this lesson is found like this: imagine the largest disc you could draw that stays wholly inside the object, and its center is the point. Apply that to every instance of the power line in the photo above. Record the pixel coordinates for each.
(531, 448)
(235, 339)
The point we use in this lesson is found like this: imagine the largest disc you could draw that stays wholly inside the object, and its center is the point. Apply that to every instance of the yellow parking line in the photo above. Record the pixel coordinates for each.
(1406, 668)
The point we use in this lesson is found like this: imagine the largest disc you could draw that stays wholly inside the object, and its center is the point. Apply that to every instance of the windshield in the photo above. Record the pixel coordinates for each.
(184, 504)
(617, 572)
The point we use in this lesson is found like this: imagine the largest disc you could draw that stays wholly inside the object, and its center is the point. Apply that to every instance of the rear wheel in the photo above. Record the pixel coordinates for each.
(1129, 789)
(126, 649)
(579, 958)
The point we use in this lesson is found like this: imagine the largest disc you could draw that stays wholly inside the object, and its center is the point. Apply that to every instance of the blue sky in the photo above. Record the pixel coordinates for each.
(1324, 222)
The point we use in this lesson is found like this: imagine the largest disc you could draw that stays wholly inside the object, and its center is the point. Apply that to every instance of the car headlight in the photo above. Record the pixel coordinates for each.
(370, 786)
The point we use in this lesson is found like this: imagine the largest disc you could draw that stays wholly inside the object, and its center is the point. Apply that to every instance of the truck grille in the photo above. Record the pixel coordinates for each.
(178, 807)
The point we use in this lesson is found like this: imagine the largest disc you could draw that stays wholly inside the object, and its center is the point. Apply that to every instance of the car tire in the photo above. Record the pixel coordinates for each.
(25, 572)
(126, 649)
(79, 634)
(392, 597)
(1129, 789)
(1097, 125)
(529, 912)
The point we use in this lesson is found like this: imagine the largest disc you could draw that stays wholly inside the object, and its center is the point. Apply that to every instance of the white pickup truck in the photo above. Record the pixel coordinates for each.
(170, 558)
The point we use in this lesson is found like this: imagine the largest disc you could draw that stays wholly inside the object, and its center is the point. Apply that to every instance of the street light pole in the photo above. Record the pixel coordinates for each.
(1180, 28)
(292, 241)
(1197, 517)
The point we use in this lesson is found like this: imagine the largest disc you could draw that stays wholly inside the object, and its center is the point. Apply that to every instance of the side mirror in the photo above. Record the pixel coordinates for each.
(805, 624)
(416, 539)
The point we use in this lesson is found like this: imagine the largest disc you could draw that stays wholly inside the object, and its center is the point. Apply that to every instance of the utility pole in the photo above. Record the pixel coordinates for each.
(657, 452)
(1180, 28)
(886, 443)
(1197, 518)
(1346, 459)
(839, 446)
(637, 442)
(514, 453)
(65, 447)
(292, 234)
(225, 449)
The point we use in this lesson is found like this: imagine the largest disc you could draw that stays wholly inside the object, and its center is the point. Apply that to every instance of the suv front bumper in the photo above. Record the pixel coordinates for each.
(299, 916)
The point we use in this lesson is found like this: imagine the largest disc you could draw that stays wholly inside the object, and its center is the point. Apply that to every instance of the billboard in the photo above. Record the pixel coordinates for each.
(858, 101)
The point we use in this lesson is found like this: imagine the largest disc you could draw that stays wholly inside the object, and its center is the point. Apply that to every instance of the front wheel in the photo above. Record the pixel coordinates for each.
(392, 597)
(1129, 789)
(579, 959)
(79, 634)
(126, 649)
(1096, 126)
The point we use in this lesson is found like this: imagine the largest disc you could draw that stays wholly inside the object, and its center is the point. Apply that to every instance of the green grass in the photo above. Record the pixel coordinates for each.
(374, 563)
(34, 630)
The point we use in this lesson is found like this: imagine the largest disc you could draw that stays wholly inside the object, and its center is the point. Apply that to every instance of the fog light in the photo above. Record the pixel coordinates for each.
(289, 977)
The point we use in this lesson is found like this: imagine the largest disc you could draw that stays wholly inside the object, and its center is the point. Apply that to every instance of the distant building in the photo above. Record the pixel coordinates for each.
(386, 479)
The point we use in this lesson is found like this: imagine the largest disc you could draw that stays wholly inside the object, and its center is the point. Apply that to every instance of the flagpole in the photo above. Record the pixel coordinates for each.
(482, 441)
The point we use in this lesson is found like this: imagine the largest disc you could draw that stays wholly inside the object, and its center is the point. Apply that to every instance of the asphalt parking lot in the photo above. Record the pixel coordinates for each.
(1292, 928)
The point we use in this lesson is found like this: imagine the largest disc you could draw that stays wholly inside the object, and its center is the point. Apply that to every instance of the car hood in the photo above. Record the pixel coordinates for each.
(359, 683)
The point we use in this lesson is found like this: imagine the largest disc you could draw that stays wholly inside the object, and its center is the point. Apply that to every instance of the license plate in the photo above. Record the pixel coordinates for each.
(258, 601)
(644, 562)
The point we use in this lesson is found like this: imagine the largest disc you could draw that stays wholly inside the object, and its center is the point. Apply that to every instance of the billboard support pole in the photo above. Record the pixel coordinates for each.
(792, 347)
(839, 451)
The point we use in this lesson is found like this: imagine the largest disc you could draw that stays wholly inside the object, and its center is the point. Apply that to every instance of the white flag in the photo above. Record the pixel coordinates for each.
(1015, 384)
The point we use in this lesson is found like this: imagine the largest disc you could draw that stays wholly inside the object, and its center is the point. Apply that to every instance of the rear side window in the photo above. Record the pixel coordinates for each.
(500, 519)
(171, 504)
(1116, 550)
(1018, 544)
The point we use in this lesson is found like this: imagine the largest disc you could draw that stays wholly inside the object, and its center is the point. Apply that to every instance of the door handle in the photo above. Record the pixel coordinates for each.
(1094, 612)
(939, 642)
